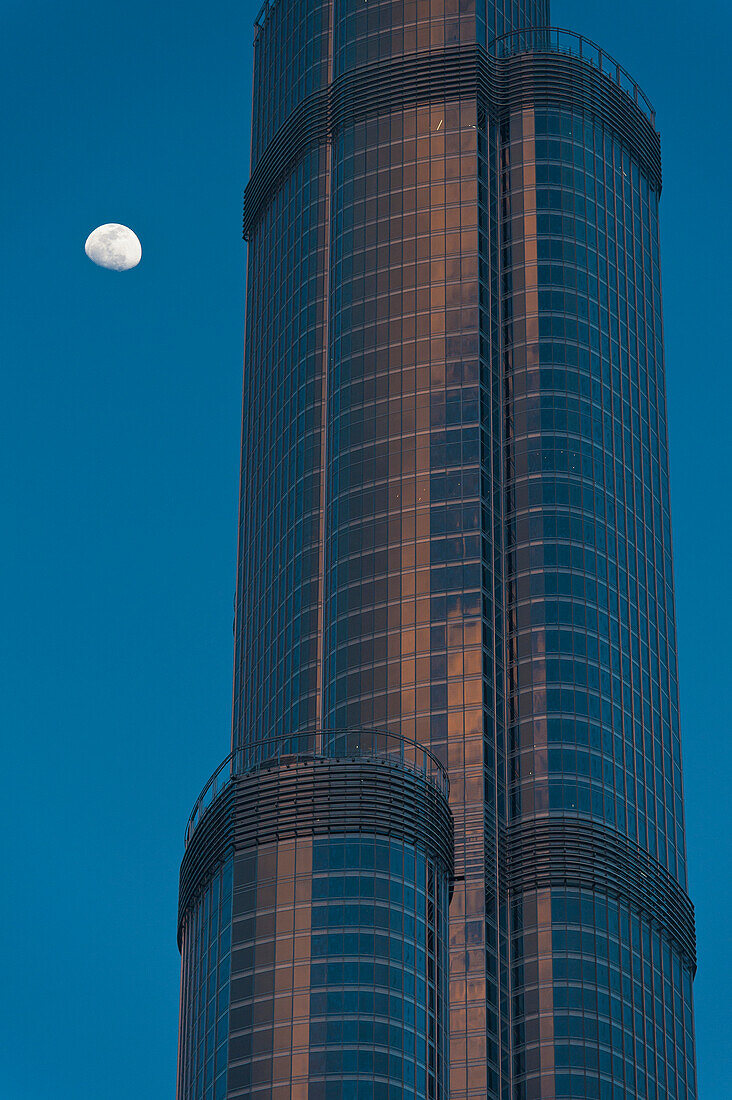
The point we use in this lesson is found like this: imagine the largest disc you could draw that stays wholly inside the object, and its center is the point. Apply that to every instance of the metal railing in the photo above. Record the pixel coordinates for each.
(391, 748)
(559, 40)
(262, 16)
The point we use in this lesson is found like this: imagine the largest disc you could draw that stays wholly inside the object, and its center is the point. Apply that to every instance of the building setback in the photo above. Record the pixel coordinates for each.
(446, 856)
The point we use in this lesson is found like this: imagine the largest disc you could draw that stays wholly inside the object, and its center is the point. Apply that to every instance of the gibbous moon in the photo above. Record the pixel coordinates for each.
(114, 246)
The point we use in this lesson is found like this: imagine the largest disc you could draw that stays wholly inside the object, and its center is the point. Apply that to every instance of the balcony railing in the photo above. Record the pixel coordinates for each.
(262, 16)
(559, 40)
(390, 748)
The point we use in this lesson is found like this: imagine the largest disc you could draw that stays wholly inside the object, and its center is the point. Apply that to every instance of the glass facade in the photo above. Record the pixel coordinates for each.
(593, 728)
(339, 975)
(454, 527)
(204, 1003)
(271, 971)
(378, 974)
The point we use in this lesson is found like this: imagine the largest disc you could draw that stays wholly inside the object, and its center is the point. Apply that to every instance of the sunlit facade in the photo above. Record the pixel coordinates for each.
(454, 530)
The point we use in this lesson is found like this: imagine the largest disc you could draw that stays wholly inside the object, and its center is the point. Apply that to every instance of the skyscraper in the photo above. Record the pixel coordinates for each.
(446, 856)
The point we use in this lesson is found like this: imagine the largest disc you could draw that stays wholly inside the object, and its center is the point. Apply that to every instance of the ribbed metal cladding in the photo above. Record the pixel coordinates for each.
(502, 84)
(565, 851)
(313, 796)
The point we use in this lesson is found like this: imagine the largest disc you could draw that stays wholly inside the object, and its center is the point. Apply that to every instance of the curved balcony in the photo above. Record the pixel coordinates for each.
(389, 748)
(559, 40)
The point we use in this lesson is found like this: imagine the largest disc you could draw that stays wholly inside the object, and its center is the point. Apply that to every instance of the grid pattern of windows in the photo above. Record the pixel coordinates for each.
(592, 692)
(381, 29)
(614, 993)
(339, 971)
(403, 431)
(378, 975)
(204, 1005)
(270, 980)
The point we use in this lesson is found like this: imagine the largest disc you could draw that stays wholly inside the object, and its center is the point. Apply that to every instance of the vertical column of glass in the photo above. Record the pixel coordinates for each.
(378, 971)
(413, 472)
(276, 652)
(404, 485)
(403, 645)
(498, 1031)
(270, 972)
(204, 1002)
(601, 998)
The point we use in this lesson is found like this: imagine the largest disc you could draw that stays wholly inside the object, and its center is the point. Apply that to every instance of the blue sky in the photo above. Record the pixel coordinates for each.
(120, 439)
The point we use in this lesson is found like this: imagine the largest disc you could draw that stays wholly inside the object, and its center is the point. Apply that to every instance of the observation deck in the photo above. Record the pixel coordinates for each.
(353, 744)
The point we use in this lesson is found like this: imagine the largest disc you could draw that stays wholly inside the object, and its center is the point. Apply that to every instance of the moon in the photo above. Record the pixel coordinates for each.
(114, 246)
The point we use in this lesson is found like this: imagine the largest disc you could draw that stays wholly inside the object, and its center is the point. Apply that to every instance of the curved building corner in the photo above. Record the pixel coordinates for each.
(313, 919)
